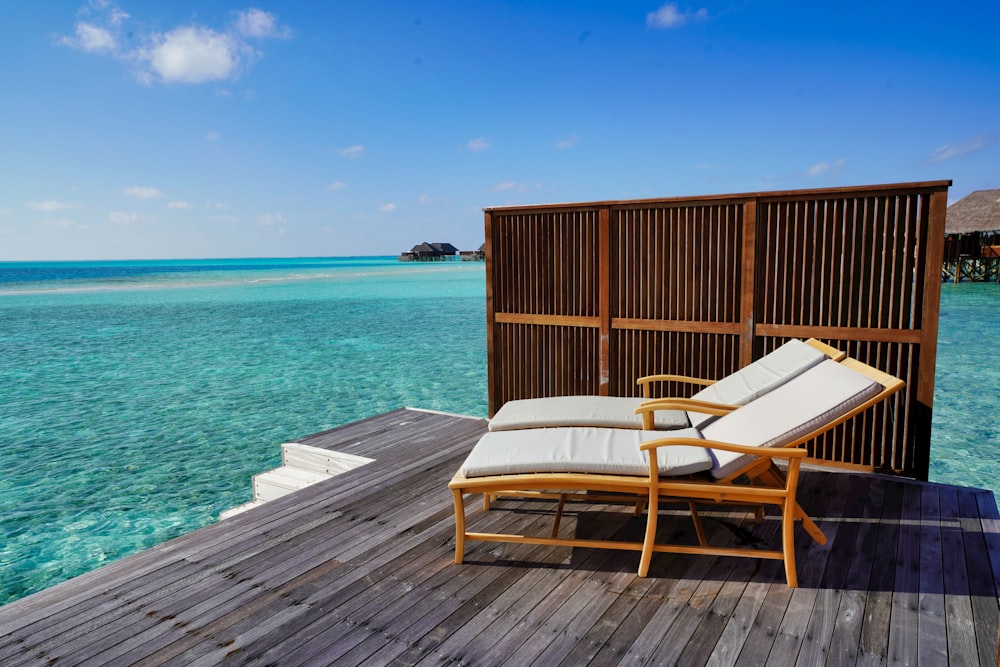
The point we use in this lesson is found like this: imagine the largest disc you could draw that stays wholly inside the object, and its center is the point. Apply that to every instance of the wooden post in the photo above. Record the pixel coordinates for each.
(604, 306)
(491, 358)
(748, 275)
(923, 405)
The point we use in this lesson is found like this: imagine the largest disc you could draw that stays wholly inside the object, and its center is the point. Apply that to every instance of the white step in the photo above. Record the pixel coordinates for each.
(303, 465)
(281, 481)
(327, 461)
(239, 509)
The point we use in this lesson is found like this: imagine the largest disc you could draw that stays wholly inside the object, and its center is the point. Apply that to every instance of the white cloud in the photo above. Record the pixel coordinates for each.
(269, 219)
(140, 192)
(49, 206)
(387, 208)
(92, 38)
(178, 204)
(478, 145)
(670, 16)
(257, 23)
(336, 185)
(426, 199)
(212, 136)
(192, 54)
(568, 142)
(184, 54)
(123, 218)
(353, 152)
(827, 168)
(959, 148)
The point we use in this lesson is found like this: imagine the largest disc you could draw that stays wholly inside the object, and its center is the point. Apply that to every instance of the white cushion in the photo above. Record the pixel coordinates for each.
(758, 378)
(817, 396)
(607, 411)
(581, 450)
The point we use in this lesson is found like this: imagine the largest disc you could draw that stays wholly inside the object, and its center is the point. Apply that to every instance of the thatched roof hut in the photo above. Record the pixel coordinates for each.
(976, 212)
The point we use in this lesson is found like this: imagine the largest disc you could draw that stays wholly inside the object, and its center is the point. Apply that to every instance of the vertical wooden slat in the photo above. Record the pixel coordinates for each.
(604, 310)
(748, 292)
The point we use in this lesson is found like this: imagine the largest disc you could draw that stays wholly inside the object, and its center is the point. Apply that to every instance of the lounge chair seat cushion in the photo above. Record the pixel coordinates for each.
(756, 379)
(816, 397)
(739, 388)
(581, 450)
(606, 411)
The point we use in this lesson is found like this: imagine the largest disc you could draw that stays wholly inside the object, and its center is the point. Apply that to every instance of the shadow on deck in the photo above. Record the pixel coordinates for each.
(358, 570)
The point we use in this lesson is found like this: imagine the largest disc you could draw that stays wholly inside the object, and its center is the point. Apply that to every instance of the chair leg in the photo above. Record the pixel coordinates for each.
(650, 539)
(788, 540)
(698, 528)
(559, 513)
(459, 526)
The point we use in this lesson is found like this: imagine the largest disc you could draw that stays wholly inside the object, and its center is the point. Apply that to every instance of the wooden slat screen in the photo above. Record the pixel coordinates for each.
(585, 298)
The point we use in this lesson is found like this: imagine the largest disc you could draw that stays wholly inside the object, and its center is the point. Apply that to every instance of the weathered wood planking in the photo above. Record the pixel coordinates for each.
(358, 570)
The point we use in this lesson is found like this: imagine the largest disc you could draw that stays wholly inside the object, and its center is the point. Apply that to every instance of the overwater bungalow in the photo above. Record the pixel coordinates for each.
(429, 252)
(583, 299)
(972, 241)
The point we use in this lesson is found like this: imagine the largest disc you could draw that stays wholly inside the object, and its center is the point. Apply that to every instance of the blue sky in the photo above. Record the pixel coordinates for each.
(222, 129)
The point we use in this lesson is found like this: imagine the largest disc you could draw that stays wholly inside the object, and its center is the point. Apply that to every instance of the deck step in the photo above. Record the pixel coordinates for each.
(327, 461)
(239, 509)
(281, 481)
(302, 466)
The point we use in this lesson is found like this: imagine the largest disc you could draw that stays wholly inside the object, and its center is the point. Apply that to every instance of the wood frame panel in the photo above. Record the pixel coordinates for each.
(585, 298)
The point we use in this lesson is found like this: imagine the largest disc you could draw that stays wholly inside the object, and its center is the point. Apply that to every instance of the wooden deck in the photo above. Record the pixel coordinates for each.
(358, 570)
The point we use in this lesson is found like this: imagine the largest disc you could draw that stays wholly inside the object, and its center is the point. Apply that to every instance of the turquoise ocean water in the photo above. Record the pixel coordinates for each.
(137, 399)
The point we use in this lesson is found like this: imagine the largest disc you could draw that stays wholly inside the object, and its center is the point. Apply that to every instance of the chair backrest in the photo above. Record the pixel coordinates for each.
(758, 378)
(810, 403)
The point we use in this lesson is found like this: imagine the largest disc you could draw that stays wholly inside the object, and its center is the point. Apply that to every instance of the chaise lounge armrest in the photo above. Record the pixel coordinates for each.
(647, 380)
(648, 409)
(752, 450)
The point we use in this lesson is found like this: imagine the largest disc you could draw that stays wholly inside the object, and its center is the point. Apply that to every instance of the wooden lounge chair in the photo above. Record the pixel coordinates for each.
(731, 459)
(750, 382)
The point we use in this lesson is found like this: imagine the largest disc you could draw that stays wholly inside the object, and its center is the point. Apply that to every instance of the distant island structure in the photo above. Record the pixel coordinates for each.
(972, 238)
(441, 252)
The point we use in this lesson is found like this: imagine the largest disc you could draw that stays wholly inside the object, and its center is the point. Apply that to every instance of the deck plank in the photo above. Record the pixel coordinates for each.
(359, 569)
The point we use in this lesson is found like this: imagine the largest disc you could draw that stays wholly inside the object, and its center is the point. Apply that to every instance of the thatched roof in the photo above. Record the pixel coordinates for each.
(976, 212)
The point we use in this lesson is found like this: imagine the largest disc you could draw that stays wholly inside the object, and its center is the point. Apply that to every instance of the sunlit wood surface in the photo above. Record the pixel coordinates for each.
(359, 570)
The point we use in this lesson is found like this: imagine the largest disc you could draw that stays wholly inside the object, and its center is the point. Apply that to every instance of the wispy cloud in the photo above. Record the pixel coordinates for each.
(958, 149)
(190, 53)
(123, 218)
(91, 38)
(387, 208)
(212, 136)
(478, 145)
(256, 23)
(141, 192)
(513, 186)
(178, 204)
(269, 219)
(426, 199)
(568, 142)
(670, 16)
(49, 206)
(827, 168)
(336, 185)
(353, 152)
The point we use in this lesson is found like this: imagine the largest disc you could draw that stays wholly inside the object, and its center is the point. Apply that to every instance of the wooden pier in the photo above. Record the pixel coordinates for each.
(358, 569)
